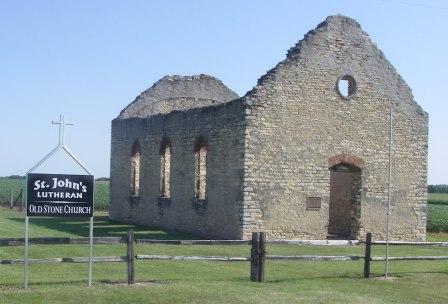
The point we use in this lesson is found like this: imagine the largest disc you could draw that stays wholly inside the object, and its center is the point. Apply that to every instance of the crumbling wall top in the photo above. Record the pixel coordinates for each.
(177, 93)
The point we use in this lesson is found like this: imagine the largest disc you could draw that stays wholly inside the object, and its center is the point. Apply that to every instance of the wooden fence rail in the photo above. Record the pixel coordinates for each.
(257, 256)
(368, 251)
(411, 258)
(123, 240)
(191, 258)
(102, 259)
(108, 259)
(195, 258)
(403, 243)
(313, 257)
(60, 241)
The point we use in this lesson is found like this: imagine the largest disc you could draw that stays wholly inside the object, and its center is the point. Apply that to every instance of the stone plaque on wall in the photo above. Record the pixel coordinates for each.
(313, 203)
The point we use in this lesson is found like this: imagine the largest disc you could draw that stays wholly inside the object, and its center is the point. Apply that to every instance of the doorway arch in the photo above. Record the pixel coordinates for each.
(345, 197)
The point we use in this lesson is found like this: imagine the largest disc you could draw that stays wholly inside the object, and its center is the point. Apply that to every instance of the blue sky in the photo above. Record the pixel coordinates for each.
(89, 59)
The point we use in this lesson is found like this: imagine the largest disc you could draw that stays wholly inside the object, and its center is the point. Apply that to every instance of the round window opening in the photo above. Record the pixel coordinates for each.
(346, 86)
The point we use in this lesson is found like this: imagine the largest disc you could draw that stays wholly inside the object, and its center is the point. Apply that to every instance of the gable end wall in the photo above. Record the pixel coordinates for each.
(297, 121)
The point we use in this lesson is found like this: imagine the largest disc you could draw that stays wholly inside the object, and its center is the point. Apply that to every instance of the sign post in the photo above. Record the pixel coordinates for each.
(59, 195)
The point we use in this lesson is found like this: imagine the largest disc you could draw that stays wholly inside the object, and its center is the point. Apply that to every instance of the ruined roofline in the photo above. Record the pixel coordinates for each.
(212, 107)
(295, 51)
(178, 93)
(177, 77)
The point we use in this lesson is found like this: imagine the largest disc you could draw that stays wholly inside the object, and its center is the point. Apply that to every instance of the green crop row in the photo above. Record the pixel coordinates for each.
(437, 202)
(437, 218)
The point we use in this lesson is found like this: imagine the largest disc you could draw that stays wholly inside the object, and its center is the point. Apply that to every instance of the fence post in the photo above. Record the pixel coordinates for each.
(130, 256)
(22, 201)
(254, 258)
(12, 199)
(261, 256)
(367, 255)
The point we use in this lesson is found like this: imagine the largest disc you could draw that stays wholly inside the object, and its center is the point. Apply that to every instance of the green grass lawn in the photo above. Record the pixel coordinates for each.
(205, 282)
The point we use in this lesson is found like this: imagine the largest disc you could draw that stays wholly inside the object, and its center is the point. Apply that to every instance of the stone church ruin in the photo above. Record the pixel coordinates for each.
(303, 155)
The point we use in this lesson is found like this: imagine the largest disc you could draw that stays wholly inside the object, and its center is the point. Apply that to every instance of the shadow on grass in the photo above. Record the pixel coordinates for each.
(307, 277)
(103, 227)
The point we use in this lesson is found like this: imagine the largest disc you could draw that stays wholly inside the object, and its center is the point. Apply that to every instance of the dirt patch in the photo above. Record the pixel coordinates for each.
(383, 278)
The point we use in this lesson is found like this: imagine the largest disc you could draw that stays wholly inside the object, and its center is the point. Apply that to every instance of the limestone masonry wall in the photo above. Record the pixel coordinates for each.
(223, 130)
(270, 154)
(297, 121)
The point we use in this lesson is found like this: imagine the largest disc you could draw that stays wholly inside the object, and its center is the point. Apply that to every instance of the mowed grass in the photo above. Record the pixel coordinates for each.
(208, 282)
(16, 185)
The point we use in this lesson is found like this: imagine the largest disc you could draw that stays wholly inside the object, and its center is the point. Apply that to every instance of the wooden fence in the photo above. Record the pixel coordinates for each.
(257, 256)
(368, 251)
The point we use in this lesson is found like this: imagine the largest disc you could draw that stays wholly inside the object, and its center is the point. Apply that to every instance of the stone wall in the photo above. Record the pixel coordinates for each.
(269, 154)
(222, 127)
(297, 122)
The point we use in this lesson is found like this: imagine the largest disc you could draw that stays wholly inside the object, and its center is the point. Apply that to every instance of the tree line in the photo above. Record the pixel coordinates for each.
(438, 188)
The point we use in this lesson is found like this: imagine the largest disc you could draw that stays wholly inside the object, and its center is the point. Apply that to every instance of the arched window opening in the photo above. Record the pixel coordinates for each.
(135, 168)
(165, 167)
(200, 168)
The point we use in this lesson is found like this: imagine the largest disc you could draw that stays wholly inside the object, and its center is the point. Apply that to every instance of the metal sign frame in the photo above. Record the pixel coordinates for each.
(62, 123)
